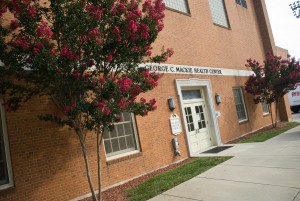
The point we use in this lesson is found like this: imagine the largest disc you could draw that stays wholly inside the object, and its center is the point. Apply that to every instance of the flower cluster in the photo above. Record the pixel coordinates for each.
(43, 31)
(155, 11)
(125, 84)
(94, 11)
(67, 53)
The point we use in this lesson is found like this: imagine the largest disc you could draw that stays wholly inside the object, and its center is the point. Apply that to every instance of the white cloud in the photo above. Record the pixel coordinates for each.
(285, 26)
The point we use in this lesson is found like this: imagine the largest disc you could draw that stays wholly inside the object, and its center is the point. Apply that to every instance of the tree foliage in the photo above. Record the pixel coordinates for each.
(84, 55)
(272, 80)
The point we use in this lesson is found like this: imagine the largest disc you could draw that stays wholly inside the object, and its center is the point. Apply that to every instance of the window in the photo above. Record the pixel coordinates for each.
(242, 3)
(265, 108)
(240, 104)
(191, 94)
(179, 5)
(218, 12)
(5, 165)
(123, 138)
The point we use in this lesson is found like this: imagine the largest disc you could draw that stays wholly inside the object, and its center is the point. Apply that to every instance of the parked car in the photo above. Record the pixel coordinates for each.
(294, 99)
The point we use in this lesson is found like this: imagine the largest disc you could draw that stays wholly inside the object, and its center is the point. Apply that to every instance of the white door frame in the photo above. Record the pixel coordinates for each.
(214, 127)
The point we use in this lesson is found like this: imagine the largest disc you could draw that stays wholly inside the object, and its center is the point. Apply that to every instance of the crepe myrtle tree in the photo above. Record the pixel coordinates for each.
(272, 80)
(83, 55)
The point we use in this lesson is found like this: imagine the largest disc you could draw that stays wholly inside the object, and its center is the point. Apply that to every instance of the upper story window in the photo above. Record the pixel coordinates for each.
(240, 104)
(179, 5)
(218, 12)
(242, 3)
(6, 180)
(123, 139)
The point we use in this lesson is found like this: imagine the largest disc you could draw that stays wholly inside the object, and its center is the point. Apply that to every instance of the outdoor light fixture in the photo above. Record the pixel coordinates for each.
(218, 99)
(171, 103)
(296, 8)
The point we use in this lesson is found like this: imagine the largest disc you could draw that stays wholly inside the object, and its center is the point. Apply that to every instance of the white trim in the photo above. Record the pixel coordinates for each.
(195, 82)
(195, 70)
(7, 150)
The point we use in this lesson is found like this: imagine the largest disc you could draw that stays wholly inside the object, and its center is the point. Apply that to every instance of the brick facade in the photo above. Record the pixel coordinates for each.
(46, 159)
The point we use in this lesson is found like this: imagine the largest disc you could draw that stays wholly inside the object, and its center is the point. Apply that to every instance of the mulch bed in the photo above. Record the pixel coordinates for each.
(116, 193)
(267, 128)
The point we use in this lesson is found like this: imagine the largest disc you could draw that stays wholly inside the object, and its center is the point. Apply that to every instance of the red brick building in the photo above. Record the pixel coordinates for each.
(212, 40)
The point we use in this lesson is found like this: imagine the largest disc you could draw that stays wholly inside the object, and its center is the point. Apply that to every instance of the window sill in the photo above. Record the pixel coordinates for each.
(123, 157)
(180, 12)
(6, 187)
(222, 26)
(243, 121)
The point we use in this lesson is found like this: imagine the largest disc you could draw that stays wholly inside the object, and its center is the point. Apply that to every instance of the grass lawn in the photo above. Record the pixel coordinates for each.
(265, 135)
(168, 180)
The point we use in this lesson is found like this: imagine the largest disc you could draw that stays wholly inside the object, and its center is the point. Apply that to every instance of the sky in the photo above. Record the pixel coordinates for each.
(285, 26)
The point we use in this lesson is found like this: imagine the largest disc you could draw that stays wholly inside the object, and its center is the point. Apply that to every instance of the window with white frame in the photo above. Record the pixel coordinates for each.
(240, 104)
(265, 108)
(218, 12)
(123, 138)
(179, 5)
(242, 3)
(5, 164)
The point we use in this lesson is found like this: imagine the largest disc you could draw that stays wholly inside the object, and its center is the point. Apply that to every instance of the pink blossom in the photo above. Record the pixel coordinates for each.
(101, 105)
(67, 53)
(122, 103)
(36, 50)
(22, 42)
(106, 111)
(125, 84)
(153, 107)
(95, 32)
(14, 24)
(32, 11)
(52, 51)
(152, 102)
(119, 118)
(145, 73)
(132, 26)
(143, 100)
(66, 109)
(117, 32)
(101, 80)
(109, 58)
(94, 11)
(44, 31)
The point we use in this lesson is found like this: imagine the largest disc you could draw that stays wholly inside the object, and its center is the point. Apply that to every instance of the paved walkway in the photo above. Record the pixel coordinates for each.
(267, 171)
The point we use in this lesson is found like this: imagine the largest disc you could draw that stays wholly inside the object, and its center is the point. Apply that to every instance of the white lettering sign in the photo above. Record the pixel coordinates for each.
(175, 125)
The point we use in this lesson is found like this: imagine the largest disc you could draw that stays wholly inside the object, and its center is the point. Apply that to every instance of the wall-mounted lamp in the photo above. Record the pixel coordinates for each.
(171, 103)
(218, 99)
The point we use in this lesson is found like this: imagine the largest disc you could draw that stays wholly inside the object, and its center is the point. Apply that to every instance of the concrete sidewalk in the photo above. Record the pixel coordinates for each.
(267, 171)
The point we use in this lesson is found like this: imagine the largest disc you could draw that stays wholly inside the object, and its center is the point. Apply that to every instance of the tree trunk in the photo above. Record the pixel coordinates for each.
(271, 113)
(87, 167)
(276, 110)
